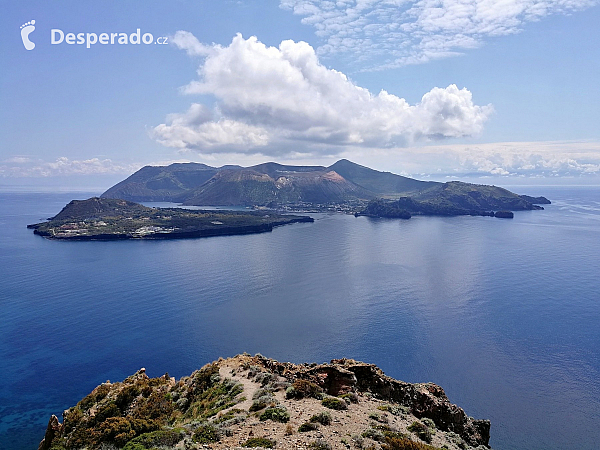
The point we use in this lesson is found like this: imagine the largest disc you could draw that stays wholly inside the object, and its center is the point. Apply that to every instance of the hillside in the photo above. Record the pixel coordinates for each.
(252, 401)
(343, 183)
(112, 219)
(274, 183)
(158, 183)
(454, 198)
(380, 183)
(199, 184)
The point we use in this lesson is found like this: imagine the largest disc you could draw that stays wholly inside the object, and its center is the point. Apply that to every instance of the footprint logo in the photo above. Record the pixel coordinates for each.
(26, 30)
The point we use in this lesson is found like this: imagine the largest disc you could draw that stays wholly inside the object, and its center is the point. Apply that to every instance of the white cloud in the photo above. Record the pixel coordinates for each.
(507, 159)
(412, 32)
(27, 167)
(276, 100)
(188, 42)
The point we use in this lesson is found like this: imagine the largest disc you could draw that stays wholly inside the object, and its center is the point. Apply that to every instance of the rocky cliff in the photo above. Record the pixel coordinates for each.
(253, 401)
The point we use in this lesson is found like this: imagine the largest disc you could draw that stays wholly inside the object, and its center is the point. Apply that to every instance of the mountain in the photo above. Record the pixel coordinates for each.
(380, 183)
(199, 184)
(252, 401)
(96, 208)
(468, 196)
(345, 182)
(275, 183)
(454, 198)
(160, 183)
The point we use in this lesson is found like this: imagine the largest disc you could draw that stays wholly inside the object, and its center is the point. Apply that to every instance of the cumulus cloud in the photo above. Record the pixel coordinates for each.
(20, 166)
(277, 99)
(506, 159)
(413, 32)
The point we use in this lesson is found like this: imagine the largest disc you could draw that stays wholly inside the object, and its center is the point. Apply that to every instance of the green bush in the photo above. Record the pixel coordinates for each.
(276, 414)
(381, 418)
(206, 433)
(154, 439)
(402, 443)
(303, 388)
(319, 444)
(420, 430)
(371, 433)
(263, 402)
(334, 403)
(259, 442)
(307, 426)
(396, 410)
(262, 392)
(350, 397)
(324, 418)
(429, 424)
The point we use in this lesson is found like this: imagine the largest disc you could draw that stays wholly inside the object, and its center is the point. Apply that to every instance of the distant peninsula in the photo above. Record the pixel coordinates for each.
(344, 187)
(256, 402)
(116, 219)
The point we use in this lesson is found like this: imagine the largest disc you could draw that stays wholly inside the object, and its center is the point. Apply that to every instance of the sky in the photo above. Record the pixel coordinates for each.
(496, 91)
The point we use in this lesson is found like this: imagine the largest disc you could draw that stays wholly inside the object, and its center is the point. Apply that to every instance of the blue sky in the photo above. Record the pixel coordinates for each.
(502, 90)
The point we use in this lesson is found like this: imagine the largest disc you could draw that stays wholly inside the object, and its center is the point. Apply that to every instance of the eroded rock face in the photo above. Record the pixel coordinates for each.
(54, 429)
(176, 414)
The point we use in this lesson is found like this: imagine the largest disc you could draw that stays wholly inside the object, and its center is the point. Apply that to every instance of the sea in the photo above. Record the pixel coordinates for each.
(503, 314)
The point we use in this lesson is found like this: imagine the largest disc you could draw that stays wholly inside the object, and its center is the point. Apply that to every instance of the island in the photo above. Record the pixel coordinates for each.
(342, 187)
(115, 219)
(454, 198)
(253, 401)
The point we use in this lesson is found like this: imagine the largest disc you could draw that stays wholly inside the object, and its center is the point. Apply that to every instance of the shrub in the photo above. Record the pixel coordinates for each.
(259, 442)
(303, 388)
(95, 396)
(206, 377)
(232, 414)
(279, 385)
(357, 440)
(334, 403)
(420, 430)
(429, 424)
(120, 430)
(395, 410)
(371, 433)
(263, 402)
(157, 406)
(262, 392)
(307, 426)
(350, 397)
(289, 430)
(154, 439)
(320, 444)
(276, 414)
(381, 418)
(126, 396)
(263, 378)
(324, 418)
(217, 397)
(402, 443)
(206, 433)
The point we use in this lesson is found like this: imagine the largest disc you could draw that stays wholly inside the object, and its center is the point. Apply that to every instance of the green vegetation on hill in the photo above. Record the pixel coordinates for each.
(453, 199)
(109, 219)
(380, 183)
(343, 183)
(210, 409)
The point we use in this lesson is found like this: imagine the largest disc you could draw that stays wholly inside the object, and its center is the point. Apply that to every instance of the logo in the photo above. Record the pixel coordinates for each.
(58, 36)
(26, 30)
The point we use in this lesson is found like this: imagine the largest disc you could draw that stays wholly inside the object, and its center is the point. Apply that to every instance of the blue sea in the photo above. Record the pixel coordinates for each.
(503, 314)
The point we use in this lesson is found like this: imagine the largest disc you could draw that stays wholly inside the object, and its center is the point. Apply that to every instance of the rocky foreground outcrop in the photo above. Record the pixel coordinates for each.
(253, 401)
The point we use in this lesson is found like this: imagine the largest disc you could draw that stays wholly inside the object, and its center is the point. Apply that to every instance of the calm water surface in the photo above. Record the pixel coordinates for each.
(504, 314)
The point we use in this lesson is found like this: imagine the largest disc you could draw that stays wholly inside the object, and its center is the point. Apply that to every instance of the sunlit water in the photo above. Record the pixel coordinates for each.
(503, 314)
